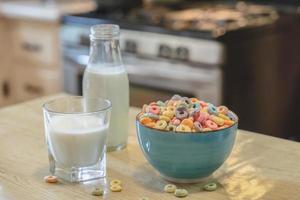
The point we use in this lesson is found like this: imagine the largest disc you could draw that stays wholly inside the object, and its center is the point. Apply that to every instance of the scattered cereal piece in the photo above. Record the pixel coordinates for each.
(144, 198)
(98, 191)
(115, 182)
(116, 188)
(210, 186)
(181, 193)
(50, 179)
(170, 188)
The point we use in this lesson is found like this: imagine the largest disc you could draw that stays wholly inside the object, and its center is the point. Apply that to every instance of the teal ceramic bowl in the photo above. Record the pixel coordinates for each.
(186, 157)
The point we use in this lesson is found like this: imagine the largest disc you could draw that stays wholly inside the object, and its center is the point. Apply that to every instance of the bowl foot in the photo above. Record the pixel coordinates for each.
(179, 180)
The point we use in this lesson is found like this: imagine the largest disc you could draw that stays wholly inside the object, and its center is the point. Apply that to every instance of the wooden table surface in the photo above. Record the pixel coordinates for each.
(260, 167)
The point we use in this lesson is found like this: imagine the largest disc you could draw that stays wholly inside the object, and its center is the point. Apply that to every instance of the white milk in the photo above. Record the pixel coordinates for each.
(110, 83)
(77, 141)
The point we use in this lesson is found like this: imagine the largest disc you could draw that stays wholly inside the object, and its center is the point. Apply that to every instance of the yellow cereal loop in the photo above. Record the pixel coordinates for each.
(115, 188)
(207, 129)
(171, 108)
(171, 103)
(181, 193)
(170, 188)
(217, 120)
(164, 118)
(223, 116)
(161, 124)
(183, 128)
(115, 182)
(144, 198)
(168, 114)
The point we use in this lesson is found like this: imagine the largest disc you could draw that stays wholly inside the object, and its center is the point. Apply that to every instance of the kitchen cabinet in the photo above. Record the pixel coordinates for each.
(36, 42)
(30, 82)
(30, 60)
(5, 88)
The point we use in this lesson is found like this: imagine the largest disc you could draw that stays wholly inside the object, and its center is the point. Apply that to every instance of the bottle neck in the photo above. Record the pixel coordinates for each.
(105, 52)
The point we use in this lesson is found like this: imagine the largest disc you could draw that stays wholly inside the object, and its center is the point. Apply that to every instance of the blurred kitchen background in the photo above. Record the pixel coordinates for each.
(243, 54)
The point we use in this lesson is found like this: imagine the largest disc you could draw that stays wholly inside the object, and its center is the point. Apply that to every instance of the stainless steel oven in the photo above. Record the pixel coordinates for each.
(154, 73)
(153, 69)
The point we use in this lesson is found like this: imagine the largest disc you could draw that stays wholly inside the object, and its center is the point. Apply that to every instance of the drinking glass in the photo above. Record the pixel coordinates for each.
(76, 133)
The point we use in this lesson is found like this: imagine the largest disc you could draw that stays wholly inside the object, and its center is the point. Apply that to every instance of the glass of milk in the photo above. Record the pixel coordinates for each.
(76, 137)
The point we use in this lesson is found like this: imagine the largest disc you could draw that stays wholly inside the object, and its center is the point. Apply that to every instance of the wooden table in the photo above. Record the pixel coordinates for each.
(260, 167)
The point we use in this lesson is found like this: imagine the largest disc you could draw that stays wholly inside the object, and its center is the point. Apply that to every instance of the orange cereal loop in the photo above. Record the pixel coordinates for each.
(188, 122)
(228, 122)
(194, 100)
(151, 124)
(222, 109)
(191, 118)
(145, 120)
(50, 179)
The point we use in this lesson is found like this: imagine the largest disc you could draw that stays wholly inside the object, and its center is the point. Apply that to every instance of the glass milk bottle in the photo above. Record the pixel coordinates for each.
(106, 77)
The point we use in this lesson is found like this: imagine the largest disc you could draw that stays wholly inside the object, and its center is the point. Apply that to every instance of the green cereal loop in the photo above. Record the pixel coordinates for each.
(171, 128)
(97, 191)
(160, 103)
(210, 186)
(182, 105)
(170, 188)
(181, 193)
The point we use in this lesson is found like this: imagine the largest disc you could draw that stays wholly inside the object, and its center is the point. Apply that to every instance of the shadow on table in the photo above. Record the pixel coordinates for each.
(145, 176)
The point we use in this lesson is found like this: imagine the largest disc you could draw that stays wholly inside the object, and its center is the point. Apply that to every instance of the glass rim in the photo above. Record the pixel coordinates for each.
(46, 106)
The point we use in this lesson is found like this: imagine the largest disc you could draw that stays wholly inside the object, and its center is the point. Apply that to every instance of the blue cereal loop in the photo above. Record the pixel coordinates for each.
(176, 97)
(196, 106)
(231, 116)
(211, 109)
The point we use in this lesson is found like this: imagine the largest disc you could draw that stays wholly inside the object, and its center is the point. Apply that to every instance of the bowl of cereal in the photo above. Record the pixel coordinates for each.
(186, 139)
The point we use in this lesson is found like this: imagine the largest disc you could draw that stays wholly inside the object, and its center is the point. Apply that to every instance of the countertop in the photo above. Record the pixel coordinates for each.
(260, 167)
(44, 11)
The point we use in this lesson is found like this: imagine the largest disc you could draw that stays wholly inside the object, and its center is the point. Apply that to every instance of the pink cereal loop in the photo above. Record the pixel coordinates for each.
(211, 124)
(154, 110)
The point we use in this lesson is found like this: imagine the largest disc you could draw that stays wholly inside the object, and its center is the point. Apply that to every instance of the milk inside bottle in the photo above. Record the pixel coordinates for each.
(106, 77)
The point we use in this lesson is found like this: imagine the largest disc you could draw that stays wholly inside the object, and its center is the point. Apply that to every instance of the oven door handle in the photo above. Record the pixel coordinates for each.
(79, 59)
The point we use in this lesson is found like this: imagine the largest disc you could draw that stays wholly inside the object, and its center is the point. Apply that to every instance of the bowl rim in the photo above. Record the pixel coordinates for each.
(186, 133)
